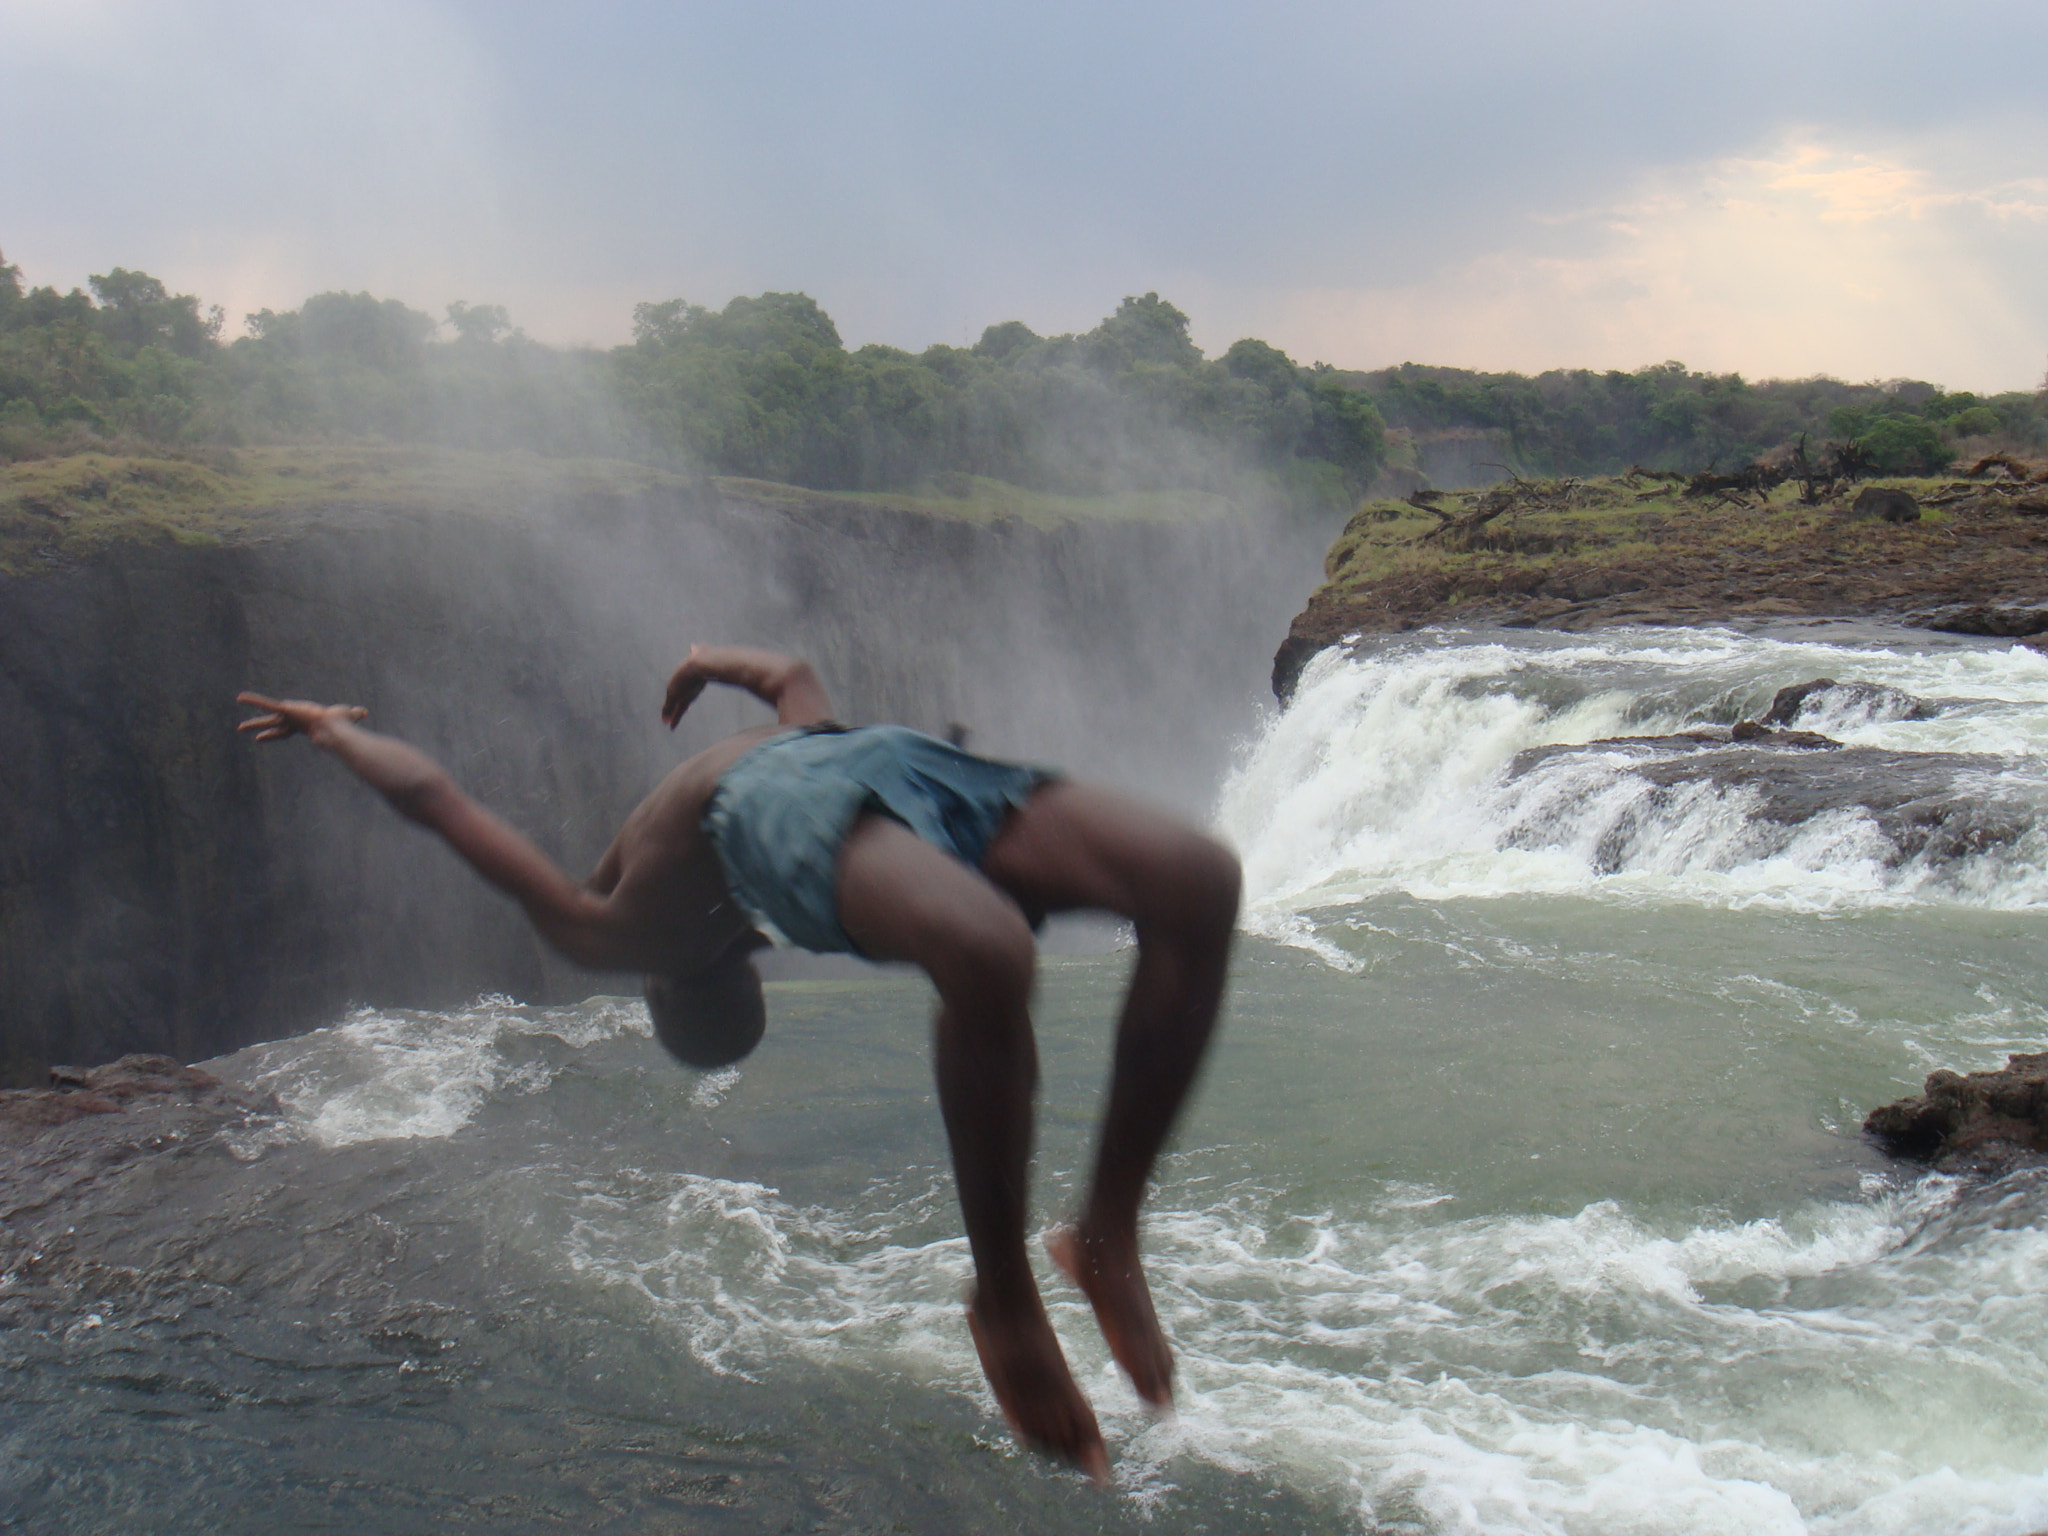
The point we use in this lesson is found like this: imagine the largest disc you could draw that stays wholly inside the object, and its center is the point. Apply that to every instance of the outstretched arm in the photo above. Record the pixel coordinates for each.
(785, 683)
(569, 917)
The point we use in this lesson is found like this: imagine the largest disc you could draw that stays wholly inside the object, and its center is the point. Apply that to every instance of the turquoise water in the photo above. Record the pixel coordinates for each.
(1523, 1193)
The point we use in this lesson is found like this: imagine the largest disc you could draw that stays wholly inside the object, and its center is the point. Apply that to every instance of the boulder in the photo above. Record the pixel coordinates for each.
(1983, 1122)
(1926, 804)
(1874, 699)
(2004, 621)
(1886, 503)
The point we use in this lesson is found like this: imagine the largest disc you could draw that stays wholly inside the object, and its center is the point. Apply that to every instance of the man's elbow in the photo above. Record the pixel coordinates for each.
(800, 699)
(799, 676)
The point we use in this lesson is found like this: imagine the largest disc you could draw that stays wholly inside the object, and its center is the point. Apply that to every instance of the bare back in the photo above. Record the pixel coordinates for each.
(664, 889)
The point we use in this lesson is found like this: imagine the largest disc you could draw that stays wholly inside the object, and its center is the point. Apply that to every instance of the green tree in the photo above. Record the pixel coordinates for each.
(137, 311)
(1906, 445)
(1003, 342)
(1143, 330)
(479, 324)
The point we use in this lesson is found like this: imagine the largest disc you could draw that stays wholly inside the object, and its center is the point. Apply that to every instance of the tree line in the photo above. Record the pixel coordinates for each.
(1580, 422)
(765, 387)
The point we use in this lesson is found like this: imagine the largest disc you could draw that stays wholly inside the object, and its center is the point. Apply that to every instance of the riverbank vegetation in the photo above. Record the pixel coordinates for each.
(765, 390)
(762, 389)
(1580, 422)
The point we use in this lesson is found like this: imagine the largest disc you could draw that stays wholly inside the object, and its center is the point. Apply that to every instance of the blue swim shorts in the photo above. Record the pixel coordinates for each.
(782, 811)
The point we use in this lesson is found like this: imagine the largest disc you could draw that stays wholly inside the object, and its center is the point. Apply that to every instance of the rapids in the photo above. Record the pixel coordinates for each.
(1524, 1192)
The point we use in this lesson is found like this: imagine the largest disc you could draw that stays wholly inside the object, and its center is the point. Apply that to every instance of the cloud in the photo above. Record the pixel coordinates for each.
(1499, 183)
(1804, 258)
(252, 153)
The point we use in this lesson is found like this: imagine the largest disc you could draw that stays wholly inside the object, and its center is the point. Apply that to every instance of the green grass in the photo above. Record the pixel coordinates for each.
(56, 510)
(1617, 525)
(64, 509)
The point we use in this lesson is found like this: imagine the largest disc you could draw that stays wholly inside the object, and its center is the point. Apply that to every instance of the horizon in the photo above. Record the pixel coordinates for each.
(443, 332)
(1597, 187)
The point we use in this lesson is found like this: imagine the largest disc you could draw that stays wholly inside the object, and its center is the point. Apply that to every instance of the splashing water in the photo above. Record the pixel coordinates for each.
(1395, 770)
(1537, 1206)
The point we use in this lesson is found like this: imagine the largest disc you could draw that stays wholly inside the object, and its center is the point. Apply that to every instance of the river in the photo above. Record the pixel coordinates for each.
(1524, 1192)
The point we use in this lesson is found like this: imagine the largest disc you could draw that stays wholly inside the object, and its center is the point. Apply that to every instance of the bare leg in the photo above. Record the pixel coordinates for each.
(900, 898)
(1074, 846)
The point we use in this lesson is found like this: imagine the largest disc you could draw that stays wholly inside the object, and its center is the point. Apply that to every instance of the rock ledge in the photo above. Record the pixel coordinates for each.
(132, 1082)
(1983, 1123)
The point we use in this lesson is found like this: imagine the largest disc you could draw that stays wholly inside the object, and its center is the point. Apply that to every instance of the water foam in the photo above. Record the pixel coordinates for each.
(1841, 1369)
(1594, 1374)
(400, 1073)
(1389, 772)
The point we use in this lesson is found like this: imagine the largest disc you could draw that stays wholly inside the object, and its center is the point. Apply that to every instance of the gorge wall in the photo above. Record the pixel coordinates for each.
(166, 886)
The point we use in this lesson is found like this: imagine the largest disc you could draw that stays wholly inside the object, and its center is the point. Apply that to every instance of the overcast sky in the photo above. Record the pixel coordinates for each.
(1782, 188)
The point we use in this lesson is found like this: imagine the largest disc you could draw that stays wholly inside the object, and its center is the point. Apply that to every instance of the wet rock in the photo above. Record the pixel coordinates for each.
(1981, 1123)
(1756, 733)
(133, 1082)
(1294, 655)
(2004, 621)
(1700, 739)
(1923, 802)
(1931, 804)
(1886, 503)
(1874, 700)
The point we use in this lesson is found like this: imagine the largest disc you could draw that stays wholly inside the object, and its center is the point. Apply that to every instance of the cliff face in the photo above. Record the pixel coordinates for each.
(167, 887)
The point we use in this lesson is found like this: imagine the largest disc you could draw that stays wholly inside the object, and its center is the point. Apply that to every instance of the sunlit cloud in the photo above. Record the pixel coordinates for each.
(1616, 184)
(1804, 259)
(1861, 187)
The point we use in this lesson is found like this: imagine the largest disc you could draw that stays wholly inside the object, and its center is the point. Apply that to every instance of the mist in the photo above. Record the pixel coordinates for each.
(502, 549)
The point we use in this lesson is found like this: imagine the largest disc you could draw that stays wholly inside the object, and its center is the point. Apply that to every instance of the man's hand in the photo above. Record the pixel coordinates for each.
(296, 717)
(684, 685)
(785, 684)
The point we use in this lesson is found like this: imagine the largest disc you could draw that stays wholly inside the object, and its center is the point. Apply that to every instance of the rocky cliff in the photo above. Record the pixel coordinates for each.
(166, 887)
(1965, 556)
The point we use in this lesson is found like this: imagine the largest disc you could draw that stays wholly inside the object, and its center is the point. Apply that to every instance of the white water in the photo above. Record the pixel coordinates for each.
(1538, 1209)
(1389, 773)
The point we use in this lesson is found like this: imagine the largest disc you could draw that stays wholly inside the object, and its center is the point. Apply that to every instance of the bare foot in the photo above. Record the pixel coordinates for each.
(1022, 1360)
(1113, 1280)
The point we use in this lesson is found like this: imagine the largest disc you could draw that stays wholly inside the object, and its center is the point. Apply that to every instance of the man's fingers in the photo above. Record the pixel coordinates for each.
(286, 716)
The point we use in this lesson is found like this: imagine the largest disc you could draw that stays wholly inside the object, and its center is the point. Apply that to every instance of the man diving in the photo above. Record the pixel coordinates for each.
(887, 843)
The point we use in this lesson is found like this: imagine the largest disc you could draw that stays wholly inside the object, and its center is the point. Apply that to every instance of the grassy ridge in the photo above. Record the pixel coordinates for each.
(1628, 550)
(56, 510)
(1611, 523)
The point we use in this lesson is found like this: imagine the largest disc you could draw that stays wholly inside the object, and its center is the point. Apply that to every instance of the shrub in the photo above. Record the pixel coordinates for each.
(1905, 445)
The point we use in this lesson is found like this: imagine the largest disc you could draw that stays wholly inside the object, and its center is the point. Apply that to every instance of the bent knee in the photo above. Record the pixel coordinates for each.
(989, 960)
(1198, 888)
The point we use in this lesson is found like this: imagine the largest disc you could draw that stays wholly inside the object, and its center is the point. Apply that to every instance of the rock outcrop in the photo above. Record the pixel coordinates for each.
(1871, 701)
(1984, 1122)
(1966, 561)
(1926, 804)
(2002, 621)
(1887, 504)
(134, 1083)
